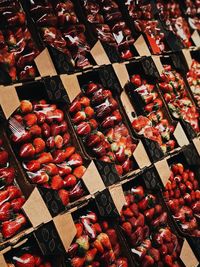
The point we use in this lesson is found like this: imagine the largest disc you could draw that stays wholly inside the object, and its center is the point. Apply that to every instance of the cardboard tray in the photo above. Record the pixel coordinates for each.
(190, 158)
(107, 78)
(133, 103)
(40, 90)
(148, 179)
(60, 62)
(92, 205)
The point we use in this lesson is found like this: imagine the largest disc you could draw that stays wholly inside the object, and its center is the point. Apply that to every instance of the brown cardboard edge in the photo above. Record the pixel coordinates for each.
(122, 73)
(180, 135)
(36, 210)
(66, 229)
(163, 170)
(127, 105)
(141, 156)
(187, 256)
(118, 197)
(196, 142)
(9, 100)
(142, 47)
(158, 64)
(3, 261)
(71, 85)
(196, 38)
(188, 57)
(99, 54)
(45, 64)
(92, 179)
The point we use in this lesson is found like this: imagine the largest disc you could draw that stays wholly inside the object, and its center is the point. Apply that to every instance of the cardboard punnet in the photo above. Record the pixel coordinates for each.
(71, 82)
(188, 57)
(158, 64)
(118, 197)
(133, 103)
(38, 90)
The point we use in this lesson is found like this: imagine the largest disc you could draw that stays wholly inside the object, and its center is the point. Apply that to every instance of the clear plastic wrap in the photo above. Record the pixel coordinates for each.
(11, 199)
(109, 25)
(154, 125)
(96, 244)
(17, 48)
(98, 121)
(170, 13)
(177, 98)
(44, 145)
(182, 196)
(145, 225)
(193, 78)
(144, 21)
(60, 27)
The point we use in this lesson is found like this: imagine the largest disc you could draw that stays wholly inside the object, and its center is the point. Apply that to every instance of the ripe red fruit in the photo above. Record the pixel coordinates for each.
(64, 196)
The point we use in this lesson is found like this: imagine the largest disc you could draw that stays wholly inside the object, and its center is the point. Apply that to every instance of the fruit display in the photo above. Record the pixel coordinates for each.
(109, 25)
(60, 28)
(145, 225)
(12, 219)
(174, 91)
(192, 11)
(193, 78)
(154, 124)
(99, 122)
(29, 259)
(40, 134)
(17, 48)
(170, 13)
(182, 196)
(96, 244)
(144, 21)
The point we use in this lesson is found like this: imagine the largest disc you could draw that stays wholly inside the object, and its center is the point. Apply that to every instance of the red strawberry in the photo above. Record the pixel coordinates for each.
(57, 182)
(30, 119)
(79, 171)
(39, 145)
(7, 175)
(77, 261)
(17, 203)
(112, 236)
(97, 244)
(5, 211)
(27, 151)
(70, 180)
(127, 227)
(3, 157)
(26, 260)
(79, 229)
(9, 228)
(64, 196)
(13, 192)
(26, 106)
(90, 255)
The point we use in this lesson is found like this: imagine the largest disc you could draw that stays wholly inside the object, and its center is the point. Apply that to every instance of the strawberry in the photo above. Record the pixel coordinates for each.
(97, 228)
(64, 169)
(27, 151)
(138, 192)
(73, 250)
(13, 192)
(112, 236)
(75, 160)
(147, 261)
(58, 141)
(3, 157)
(32, 165)
(26, 260)
(64, 196)
(30, 119)
(104, 239)
(149, 214)
(127, 227)
(5, 212)
(70, 180)
(7, 175)
(39, 145)
(83, 128)
(90, 255)
(9, 228)
(45, 157)
(77, 262)
(17, 203)
(75, 106)
(79, 171)
(26, 106)
(79, 229)
(155, 254)
(57, 182)
(97, 244)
